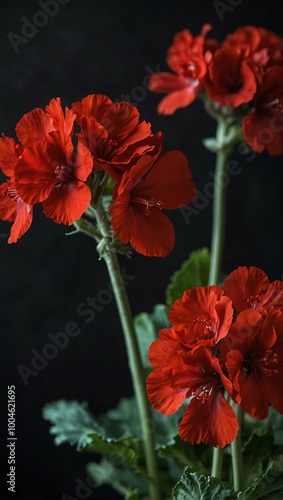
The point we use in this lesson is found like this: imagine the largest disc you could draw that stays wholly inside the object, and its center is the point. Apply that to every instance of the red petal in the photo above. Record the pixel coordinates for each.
(213, 422)
(162, 397)
(93, 135)
(84, 162)
(122, 217)
(22, 221)
(158, 351)
(152, 235)
(254, 126)
(120, 120)
(59, 147)
(169, 180)
(207, 303)
(34, 126)
(131, 178)
(234, 363)
(62, 122)
(34, 175)
(187, 370)
(242, 333)
(273, 389)
(243, 283)
(8, 209)
(92, 105)
(142, 131)
(177, 100)
(253, 397)
(9, 153)
(166, 82)
(67, 202)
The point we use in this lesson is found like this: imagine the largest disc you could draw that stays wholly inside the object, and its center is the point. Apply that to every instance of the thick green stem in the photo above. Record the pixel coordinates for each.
(135, 362)
(237, 456)
(217, 240)
(217, 459)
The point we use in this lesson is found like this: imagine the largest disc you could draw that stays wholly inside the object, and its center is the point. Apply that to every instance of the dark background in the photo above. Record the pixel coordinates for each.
(105, 47)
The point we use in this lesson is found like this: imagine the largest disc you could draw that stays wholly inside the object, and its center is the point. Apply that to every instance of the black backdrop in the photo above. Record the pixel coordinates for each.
(108, 47)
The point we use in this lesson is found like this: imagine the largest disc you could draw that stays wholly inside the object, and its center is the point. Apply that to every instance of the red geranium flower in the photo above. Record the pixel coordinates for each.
(263, 128)
(231, 81)
(251, 288)
(48, 171)
(188, 58)
(273, 44)
(113, 134)
(136, 211)
(35, 125)
(259, 46)
(12, 207)
(208, 418)
(253, 354)
(203, 314)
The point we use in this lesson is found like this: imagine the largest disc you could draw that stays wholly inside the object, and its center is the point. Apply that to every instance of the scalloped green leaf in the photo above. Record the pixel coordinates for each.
(72, 423)
(195, 457)
(257, 449)
(122, 479)
(193, 272)
(196, 486)
(275, 420)
(269, 485)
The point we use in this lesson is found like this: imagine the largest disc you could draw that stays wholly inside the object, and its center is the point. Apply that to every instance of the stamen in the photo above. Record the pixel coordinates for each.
(204, 322)
(148, 205)
(205, 392)
(12, 193)
(266, 365)
(63, 173)
(252, 301)
(274, 105)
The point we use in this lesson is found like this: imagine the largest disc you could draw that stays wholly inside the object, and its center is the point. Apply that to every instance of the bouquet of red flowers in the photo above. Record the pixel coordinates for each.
(206, 366)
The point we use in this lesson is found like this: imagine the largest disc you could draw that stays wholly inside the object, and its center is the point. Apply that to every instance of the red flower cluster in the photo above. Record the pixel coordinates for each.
(205, 353)
(45, 167)
(246, 69)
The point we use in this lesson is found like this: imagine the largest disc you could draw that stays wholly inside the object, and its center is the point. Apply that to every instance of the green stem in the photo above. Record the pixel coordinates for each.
(218, 220)
(86, 227)
(135, 362)
(217, 240)
(237, 456)
(217, 459)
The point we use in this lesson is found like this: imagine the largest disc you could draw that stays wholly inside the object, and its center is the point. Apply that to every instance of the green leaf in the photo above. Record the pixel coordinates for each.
(195, 486)
(275, 420)
(147, 326)
(269, 486)
(195, 457)
(122, 479)
(124, 421)
(194, 272)
(257, 449)
(72, 421)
